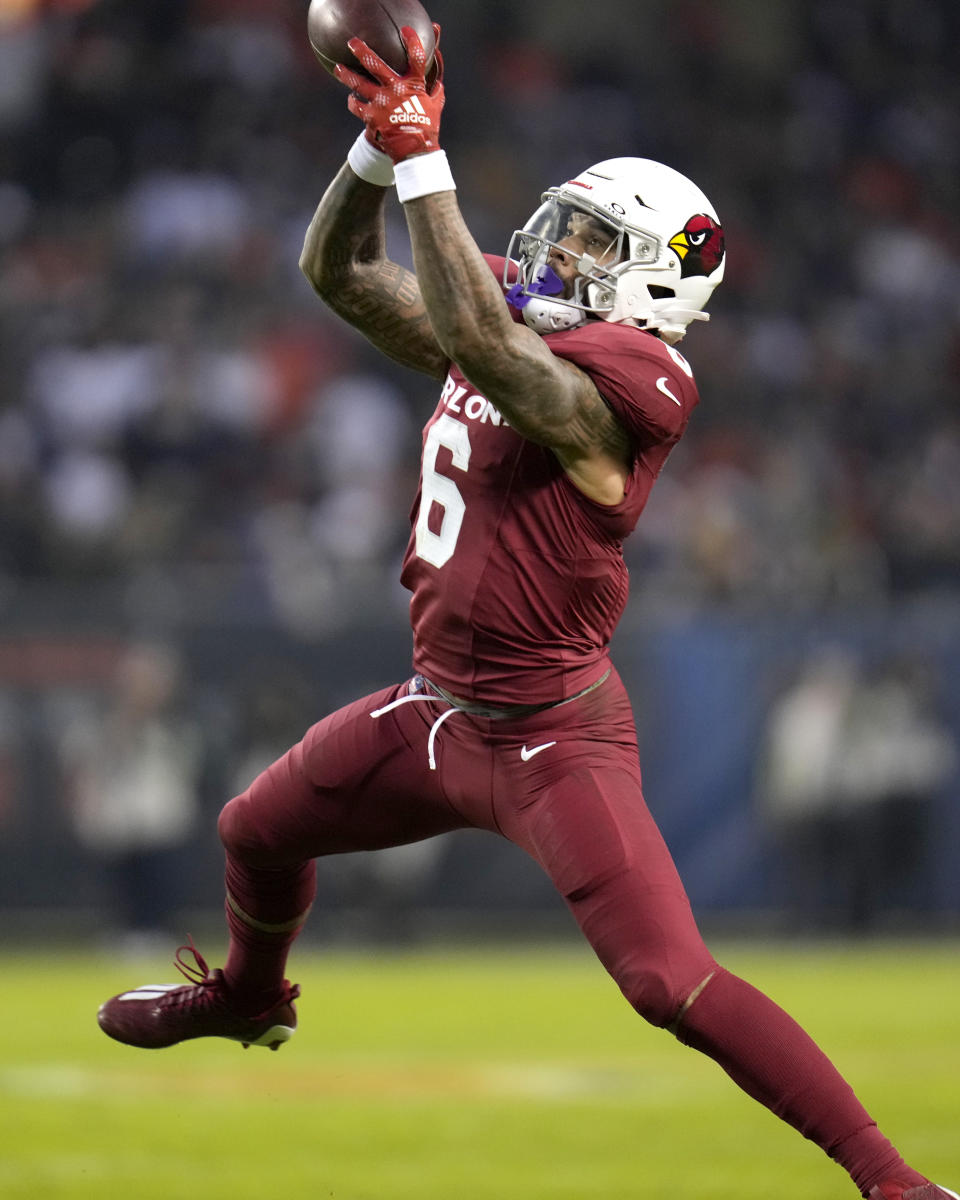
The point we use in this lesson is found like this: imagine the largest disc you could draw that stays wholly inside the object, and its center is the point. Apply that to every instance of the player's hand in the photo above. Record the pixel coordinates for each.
(401, 116)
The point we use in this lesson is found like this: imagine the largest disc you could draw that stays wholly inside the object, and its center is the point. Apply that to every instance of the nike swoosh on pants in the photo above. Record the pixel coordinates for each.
(526, 754)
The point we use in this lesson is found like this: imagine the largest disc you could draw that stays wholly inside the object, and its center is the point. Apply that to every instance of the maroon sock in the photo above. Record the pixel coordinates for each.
(768, 1055)
(265, 912)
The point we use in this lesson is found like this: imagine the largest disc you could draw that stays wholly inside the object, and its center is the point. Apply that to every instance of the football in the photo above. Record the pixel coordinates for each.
(331, 24)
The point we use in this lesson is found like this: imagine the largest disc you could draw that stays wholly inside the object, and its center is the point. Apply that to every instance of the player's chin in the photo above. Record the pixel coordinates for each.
(569, 287)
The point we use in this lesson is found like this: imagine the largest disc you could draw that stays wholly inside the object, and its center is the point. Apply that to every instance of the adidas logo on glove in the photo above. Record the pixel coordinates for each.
(409, 112)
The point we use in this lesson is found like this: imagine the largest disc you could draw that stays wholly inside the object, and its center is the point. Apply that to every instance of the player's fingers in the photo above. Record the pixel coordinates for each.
(350, 78)
(436, 73)
(416, 55)
(371, 61)
(357, 106)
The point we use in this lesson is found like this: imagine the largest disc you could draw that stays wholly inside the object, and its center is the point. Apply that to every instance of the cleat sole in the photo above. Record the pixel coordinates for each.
(274, 1037)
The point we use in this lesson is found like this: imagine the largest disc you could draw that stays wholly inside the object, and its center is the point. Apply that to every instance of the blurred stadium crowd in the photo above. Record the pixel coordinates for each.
(192, 449)
(183, 423)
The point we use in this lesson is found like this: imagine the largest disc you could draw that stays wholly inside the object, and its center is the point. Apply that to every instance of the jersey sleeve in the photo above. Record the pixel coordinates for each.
(496, 263)
(648, 385)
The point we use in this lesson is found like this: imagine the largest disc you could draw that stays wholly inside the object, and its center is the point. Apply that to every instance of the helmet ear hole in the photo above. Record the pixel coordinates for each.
(657, 292)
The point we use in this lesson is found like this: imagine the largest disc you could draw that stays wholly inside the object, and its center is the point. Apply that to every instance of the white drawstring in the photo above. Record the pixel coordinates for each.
(378, 712)
(433, 734)
(478, 710)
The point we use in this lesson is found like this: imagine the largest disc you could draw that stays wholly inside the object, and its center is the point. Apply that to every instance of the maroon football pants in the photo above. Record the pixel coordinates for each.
(564, 785)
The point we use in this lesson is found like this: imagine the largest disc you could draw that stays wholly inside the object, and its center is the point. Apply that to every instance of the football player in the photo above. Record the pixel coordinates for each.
(562, 395)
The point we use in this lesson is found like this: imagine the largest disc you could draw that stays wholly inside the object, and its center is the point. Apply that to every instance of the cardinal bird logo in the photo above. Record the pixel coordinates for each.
(699, 245)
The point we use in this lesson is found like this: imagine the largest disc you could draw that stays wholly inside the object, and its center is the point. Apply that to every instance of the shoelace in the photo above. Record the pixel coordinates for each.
(431, 759)
(202, 980)
(205, 983)
(197, 972)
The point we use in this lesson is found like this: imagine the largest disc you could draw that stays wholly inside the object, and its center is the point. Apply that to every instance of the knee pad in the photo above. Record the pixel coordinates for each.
(251, 835)
(660, 995)
(651, 992)
(238, 832)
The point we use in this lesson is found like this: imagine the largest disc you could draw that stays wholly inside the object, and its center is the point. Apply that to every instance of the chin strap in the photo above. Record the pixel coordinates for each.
(670, 319)
(548, 316)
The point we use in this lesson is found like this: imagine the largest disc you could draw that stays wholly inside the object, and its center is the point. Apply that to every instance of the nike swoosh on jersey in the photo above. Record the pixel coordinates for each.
(662, 387)
(526, 754)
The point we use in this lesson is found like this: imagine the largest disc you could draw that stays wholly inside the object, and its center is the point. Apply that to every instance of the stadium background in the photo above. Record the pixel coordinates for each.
(193, 453)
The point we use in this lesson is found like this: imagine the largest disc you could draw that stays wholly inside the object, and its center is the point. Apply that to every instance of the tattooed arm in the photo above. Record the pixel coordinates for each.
(545, 398)
(344, 258)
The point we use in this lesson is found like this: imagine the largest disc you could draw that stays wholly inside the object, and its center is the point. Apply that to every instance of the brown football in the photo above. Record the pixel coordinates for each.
(332, 23)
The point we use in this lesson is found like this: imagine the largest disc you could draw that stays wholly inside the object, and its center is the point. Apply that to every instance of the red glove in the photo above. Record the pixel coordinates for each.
(401, 116)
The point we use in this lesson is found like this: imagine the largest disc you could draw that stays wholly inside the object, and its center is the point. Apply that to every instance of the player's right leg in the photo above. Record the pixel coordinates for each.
(592, 833)
(582, 816)
(353, 783)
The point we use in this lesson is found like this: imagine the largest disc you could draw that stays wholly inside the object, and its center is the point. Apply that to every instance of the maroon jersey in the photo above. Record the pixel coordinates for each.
(518, 578)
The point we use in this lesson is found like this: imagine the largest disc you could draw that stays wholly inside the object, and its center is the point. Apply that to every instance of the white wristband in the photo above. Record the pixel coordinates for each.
(369, 163)
(423, 175)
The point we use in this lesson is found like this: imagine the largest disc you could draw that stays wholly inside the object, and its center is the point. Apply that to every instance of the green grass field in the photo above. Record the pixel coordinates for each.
(513, 1075)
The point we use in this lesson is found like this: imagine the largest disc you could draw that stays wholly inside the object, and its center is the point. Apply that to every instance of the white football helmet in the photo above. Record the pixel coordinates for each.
(659, 258)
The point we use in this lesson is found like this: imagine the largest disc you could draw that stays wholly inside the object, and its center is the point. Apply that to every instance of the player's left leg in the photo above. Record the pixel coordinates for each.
(353, 783)
(585, 820)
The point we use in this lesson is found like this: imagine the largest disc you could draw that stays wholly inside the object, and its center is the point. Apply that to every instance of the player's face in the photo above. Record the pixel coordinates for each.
(584, 235)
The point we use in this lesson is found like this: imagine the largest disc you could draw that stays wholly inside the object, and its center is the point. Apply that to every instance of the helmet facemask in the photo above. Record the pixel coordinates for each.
(575, 234)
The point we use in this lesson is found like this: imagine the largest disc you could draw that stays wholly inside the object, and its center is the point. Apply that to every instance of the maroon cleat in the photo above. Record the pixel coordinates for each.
(889, 1189)
(161, 1015)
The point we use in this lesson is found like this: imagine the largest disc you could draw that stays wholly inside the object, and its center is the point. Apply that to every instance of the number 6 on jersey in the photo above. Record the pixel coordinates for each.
(453, 435)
